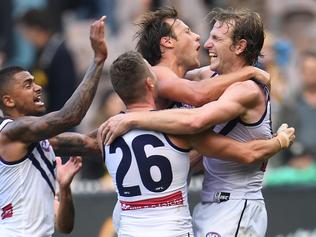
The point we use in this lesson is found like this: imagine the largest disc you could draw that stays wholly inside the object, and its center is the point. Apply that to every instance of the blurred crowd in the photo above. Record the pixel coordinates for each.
(50, 38)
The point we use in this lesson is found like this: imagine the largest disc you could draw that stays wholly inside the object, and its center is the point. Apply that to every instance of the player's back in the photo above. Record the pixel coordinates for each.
(27, 191)
(232, 180)
(150, 175)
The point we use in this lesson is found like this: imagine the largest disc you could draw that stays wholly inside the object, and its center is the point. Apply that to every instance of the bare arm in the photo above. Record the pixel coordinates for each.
(199, 73)
(198, 93)
(64, 207)
(30, 129)
(70, 144)
(221, 147)
(233, 103)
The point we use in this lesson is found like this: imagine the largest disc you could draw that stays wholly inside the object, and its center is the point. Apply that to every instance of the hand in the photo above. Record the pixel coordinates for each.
(97, 40)
(262, 76)
(285, 135)
(66, 172)
(113, 128)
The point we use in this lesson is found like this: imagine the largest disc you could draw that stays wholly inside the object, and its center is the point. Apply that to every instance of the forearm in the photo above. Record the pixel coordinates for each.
(66, 212)
(172, 121)
(78, 104)
(210, 89)
(75, 144)
(30, 129)
(263, 149)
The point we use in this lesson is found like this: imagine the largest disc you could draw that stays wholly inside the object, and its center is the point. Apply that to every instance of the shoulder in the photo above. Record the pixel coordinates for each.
(163, 73)
(248, 87)
(247, 92)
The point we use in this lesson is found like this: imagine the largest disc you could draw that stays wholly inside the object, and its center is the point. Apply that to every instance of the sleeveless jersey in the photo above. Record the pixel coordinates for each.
(27, 189)
(231, 180)
(150, 176)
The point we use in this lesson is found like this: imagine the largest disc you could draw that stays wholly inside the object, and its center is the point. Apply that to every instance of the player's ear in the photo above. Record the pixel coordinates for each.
(8, 101)
(150, 83)
(166, 41)
(241, 46)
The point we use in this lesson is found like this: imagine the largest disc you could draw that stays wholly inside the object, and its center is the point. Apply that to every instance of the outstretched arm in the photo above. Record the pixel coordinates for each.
(31, 129)
(71, 144)
(233, 103)
(64, 207)
(198, 93)
(222, 147)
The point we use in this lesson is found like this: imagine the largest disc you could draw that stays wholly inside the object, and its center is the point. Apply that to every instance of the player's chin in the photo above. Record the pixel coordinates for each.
(40, 110)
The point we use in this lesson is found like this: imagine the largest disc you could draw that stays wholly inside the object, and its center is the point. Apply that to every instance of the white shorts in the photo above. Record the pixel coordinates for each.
(244, 218)
(116, 220)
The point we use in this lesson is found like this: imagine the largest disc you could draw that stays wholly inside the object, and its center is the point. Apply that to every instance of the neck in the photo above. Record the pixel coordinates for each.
(235, 66)
(11, 114)
(173, 65)
(139, 107)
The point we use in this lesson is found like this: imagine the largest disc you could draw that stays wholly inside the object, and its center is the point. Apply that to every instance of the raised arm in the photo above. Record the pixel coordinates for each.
(225, 148)
(198, 93)
(71, 144)
(30, 129)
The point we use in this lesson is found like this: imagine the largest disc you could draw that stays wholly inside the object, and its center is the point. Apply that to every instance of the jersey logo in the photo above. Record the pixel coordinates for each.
(221, 196)
(212, 234)
(7, 211)
(45, 145)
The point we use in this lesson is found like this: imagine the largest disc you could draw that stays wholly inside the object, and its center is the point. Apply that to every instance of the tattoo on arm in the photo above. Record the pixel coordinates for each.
(70, 144)
(30, 129)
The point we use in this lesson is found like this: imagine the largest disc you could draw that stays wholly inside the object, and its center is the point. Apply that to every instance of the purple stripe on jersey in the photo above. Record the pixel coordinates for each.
(175, 146)
(40, 169)
(49, 165)
(29, 151)
(267, 94)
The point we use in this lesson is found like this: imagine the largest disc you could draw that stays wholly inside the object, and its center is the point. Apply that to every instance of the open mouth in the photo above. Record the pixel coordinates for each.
(38, 101)
(212, 55)
(198, 48)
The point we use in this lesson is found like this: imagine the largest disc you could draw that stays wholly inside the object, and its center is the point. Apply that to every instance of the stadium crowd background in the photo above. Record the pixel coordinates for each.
(289, 56)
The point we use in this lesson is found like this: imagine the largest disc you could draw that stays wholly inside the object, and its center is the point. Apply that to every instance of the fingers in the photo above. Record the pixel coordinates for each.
(282, 127)
(76, 163)
(97, 28)
(58, 161)
(285, 135)
(107, 138)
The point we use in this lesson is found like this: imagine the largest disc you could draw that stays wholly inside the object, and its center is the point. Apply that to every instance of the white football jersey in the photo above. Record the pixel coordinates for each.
(27, 189)
(150, 176)
(231, 180)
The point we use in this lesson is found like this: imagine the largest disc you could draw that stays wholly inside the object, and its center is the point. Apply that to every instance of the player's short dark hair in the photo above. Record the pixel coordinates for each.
(128, 73)
(152, 27)
(246, 25)
(7, 75)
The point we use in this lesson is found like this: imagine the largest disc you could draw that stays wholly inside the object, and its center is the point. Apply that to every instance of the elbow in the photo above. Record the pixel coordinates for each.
(248, 158)
(72, 120)
(66, 230)
(194, 124)
(199, 99)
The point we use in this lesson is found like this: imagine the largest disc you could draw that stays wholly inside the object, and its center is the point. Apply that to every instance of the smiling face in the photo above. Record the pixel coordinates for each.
(186, 44)
(24, 95)
(220, 48)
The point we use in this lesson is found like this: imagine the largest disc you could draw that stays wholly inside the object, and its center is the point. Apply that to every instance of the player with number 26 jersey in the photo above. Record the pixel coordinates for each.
(150, 175)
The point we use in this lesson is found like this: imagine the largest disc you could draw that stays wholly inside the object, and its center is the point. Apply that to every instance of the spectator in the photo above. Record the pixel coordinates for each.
(300, 110)
(54, 66)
